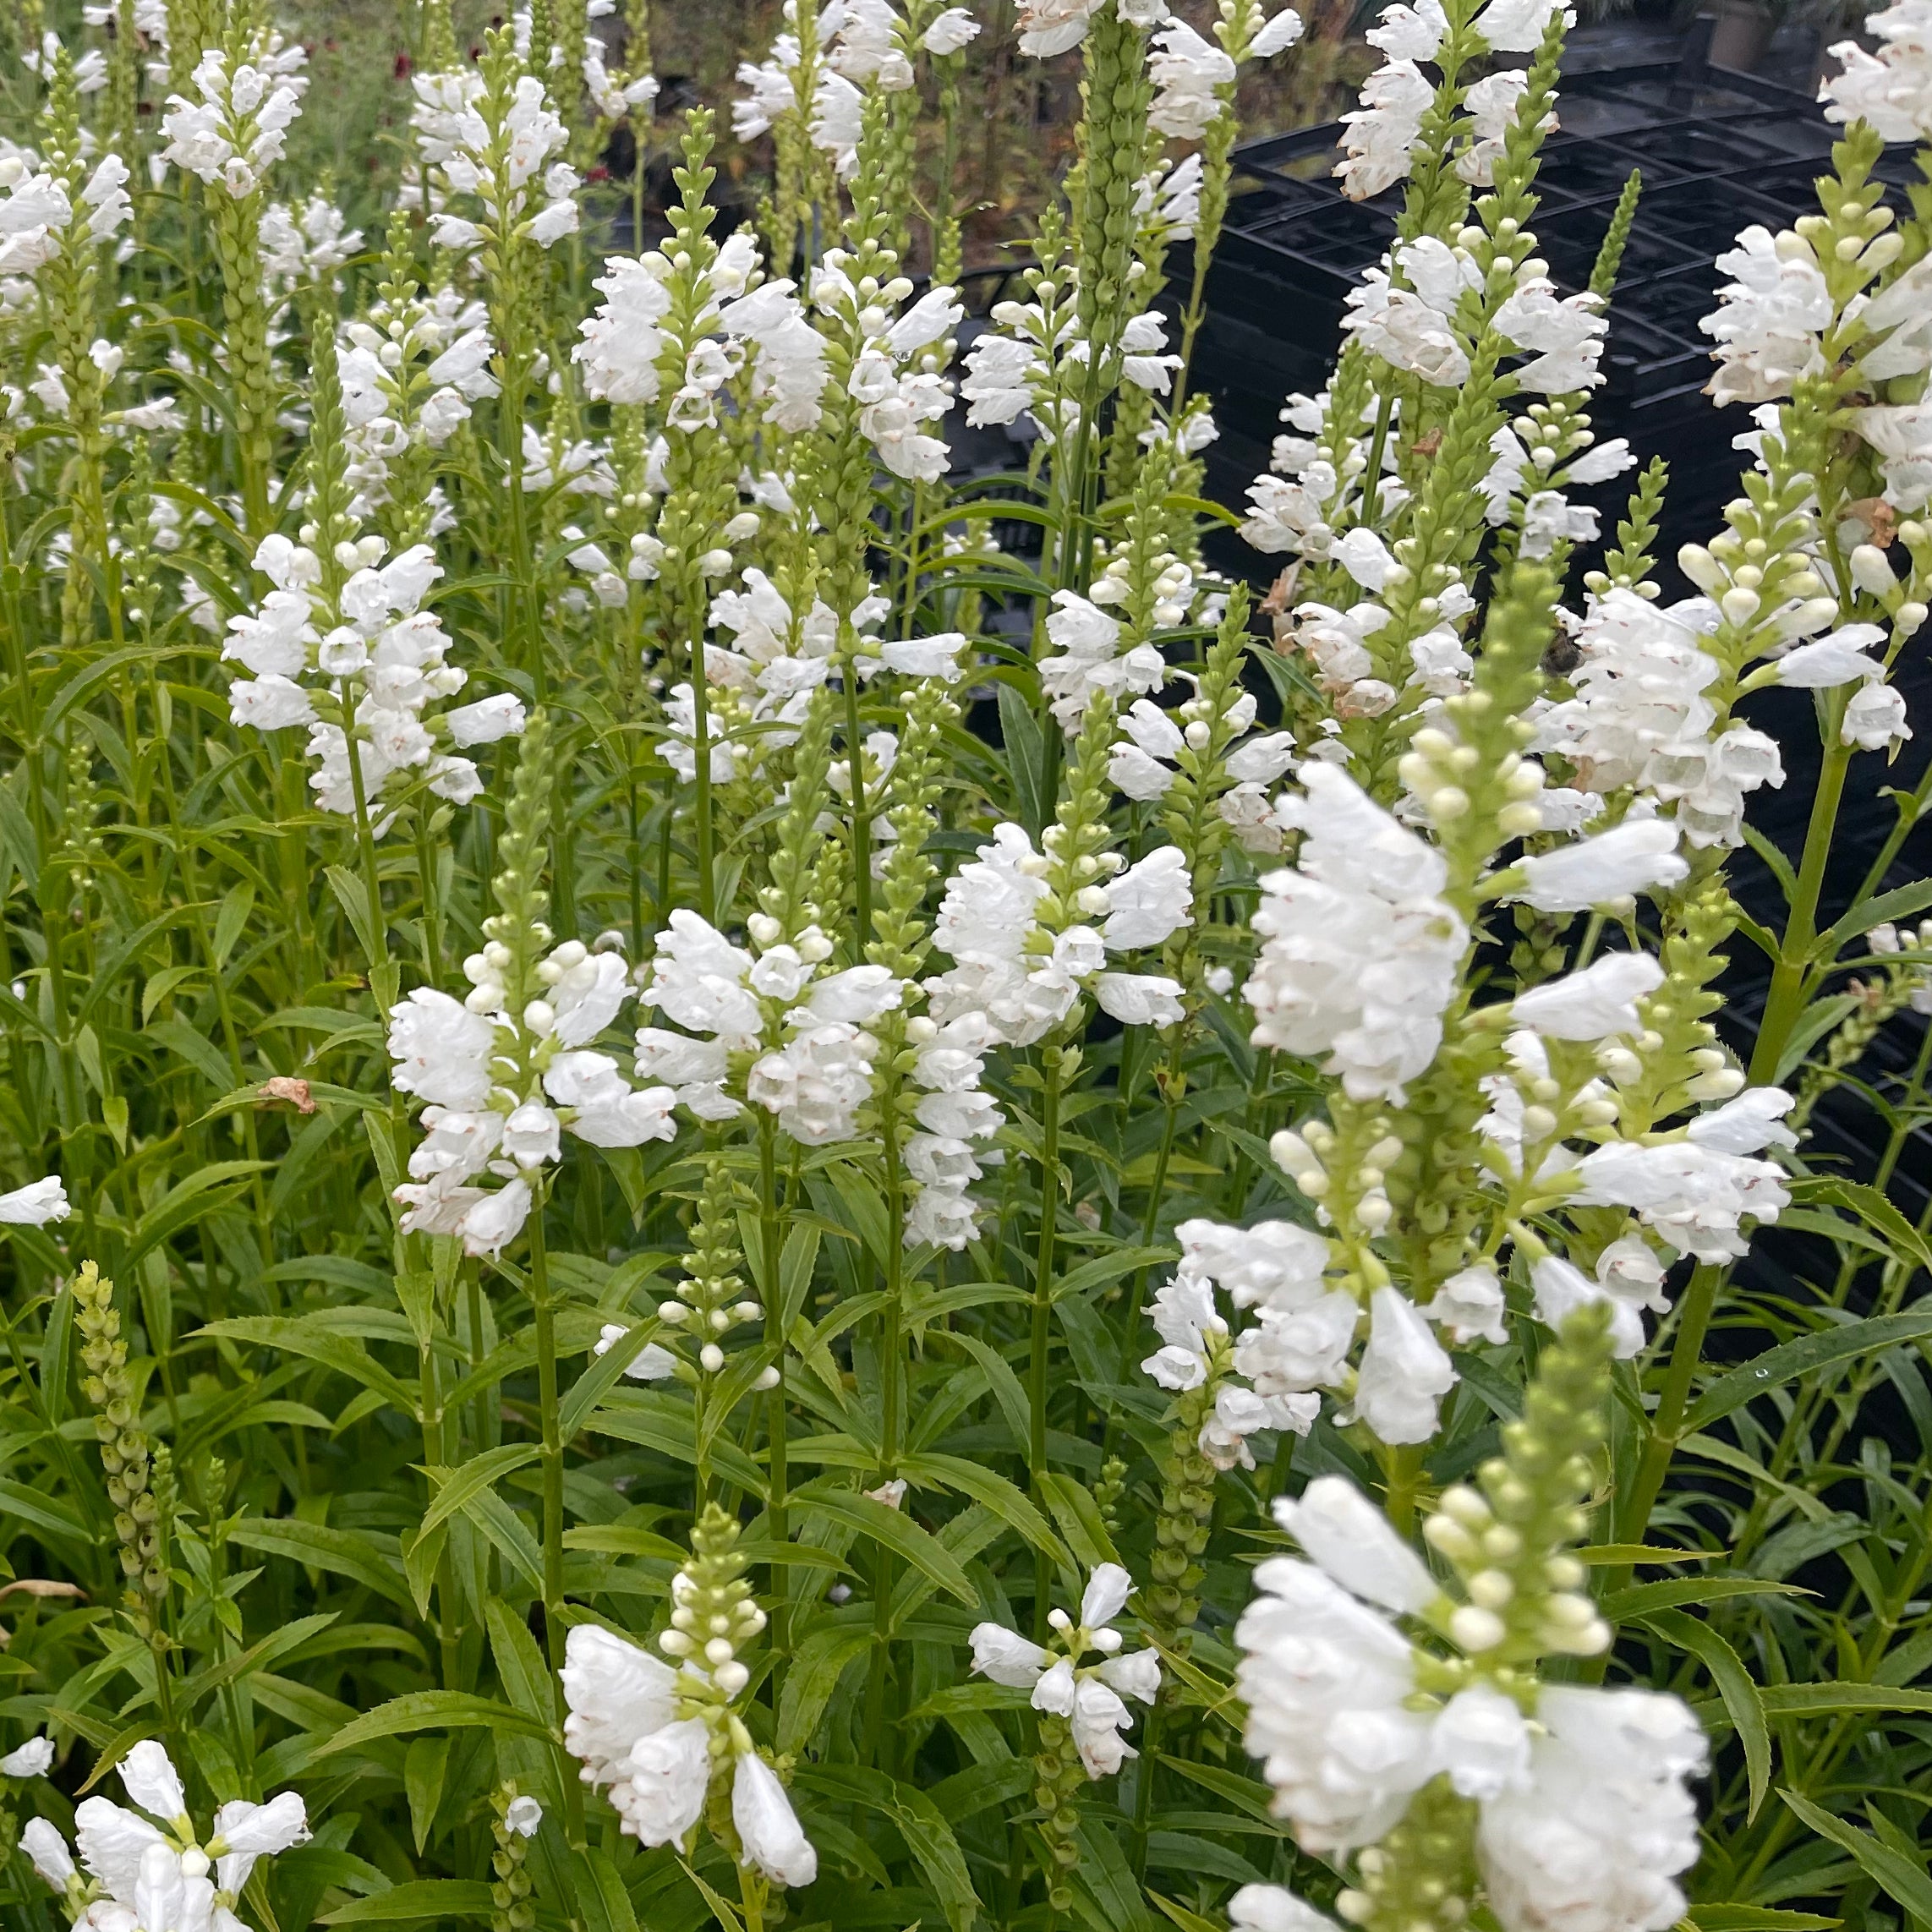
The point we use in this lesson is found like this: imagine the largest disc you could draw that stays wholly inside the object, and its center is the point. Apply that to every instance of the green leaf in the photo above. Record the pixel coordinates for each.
(1805, 1355)
(892, 1530)
(351, 1553)
(987, 1486)
(303, 1335)
(919, 1822)
(812, 1677)
(1079, 1517)
(432, 1710)
(1640, 1599)
(420, 1899)
(1756, 1918)
(1901, 1879)
(456, 1487)
(1835, 1699)
(1742, 1702)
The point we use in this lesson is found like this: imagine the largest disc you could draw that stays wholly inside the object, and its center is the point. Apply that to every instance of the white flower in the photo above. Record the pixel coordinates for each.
(1327, 1682)
(245, 1831)
(441, 1050)
(47, 1850)
(1629, 858)
(35, 1205)
(1874, 718)
(1005, 1658)
(27, 1761)
(1892, 89)
(111, 1842)
(1746, 1125)
(486, 721)
(659, 1794)
(150, 1779)
(1482, 1741)
(1356, 1545)
(1048, 27)
(1593, 1005)
(1516, 26)
(1383, 132)
(1405, 1372)
(1593, 1837)
(1470, 1305)
(767, 1827)
(1140, 999)
(1769, 319)
(615, 1693)
(950, 31)
(1695, 1197)
(523, 1815)
(1359, 955)
(1148, 901)
(1187, 70)
(1832, 660)
(1274, 1908)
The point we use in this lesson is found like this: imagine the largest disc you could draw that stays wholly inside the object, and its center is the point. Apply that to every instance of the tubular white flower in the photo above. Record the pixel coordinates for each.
(1359, 955)
(35, 1205)
(1593, 1838)
(1354, 1543)
(767, 1827)
(29, 1761)
(1404, 1371)
(1632, 857)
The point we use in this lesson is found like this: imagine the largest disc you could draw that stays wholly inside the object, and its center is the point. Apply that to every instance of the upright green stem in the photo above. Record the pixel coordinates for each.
(1041, 1337)
(1790, 977)
(552, 1458)
(1687, 1351)
(777, 1426)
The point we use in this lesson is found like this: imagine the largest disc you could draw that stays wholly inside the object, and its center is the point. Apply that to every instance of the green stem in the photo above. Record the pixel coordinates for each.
(1687, 1352)
(552, 1457)
(1041, 1336)
(1791, 975)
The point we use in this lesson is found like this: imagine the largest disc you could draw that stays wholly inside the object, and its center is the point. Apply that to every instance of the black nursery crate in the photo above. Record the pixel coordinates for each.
(1718, 151)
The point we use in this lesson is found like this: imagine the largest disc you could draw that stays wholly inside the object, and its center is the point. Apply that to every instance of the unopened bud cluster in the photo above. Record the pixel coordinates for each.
(126, 1456)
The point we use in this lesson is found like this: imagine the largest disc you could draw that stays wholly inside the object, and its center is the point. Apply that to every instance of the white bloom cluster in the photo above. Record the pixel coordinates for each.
(1584, 1817)
(808, 1059)
(1275, 1268)
(1090, 1697)
(36, 215)
(615, 96)
(954, 1111)
(375, 662)
(1383, 132)
(502, 1087)
(1025, 979)
(1033, 362)
(896, 361)
(410, 373)
(773, 82)
(1359, 955)
(1087, 661)
(1769, 319)
(623, 344)
(1892, 88)
(1639, 721)
(305, 246)
(655, 1736)
(508, 167)
(1302, 515)
(145, 1877)
(237, 130)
